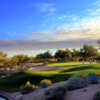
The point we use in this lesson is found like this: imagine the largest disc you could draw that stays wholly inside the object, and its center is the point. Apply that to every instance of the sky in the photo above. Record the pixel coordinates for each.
(46, 24)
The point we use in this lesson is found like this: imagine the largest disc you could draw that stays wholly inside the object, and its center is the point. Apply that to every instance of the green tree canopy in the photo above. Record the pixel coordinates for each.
(88, 52)
(19, 59)
(46, 55)
(3, 58)
(60, 55)
(68, 55)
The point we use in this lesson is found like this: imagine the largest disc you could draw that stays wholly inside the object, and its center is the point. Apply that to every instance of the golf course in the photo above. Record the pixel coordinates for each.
(15, 82)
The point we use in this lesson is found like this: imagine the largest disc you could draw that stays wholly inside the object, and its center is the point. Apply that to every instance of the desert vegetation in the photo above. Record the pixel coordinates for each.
(15, 81)
(75, 56)
(77, 68)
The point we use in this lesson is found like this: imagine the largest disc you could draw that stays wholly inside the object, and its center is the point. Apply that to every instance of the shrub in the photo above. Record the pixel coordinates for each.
(55, 93)
(96, 96)
(45, 83)
(76, 82)
(28, 84)
(92, 78)
(28, 88)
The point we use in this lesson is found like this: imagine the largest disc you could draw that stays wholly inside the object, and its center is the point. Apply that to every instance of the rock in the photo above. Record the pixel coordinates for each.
(19, 97)
(55, 93)
(76, 82)
(92, 78)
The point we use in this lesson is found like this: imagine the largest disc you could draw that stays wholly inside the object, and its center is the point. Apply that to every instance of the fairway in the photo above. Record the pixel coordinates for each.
(66, 63)
(15, 81)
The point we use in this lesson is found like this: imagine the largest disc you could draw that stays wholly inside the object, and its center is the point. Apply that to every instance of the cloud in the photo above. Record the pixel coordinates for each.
(32, 44)
(73, 30)
(85, 26)
(45, 7)
(68, 17)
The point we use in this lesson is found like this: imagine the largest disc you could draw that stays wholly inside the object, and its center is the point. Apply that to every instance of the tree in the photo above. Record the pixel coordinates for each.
(60, 55)
(31, 59)
(3, 58)
(88, 52)
(68, 55)
(63, 55)
(76, 55)
(19, 59)
(43, 57)
(46, 55)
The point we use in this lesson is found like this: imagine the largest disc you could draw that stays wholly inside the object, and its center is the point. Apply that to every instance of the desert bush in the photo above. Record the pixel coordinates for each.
(96, 96)
(76, 82)
(45, 83)
(28, 88)
(55, 93)
(92, 78)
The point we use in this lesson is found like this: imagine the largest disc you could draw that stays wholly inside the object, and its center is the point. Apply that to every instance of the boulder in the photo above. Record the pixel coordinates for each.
(55, 93)
(92, 78)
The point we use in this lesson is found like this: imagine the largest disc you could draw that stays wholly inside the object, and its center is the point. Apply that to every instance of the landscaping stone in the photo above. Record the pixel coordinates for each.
(76, 82)
(92, 78)
(55, 93)
(19, 97)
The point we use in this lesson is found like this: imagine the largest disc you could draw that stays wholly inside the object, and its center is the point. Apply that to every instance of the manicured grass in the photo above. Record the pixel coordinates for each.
(15, 81)
(66, 63)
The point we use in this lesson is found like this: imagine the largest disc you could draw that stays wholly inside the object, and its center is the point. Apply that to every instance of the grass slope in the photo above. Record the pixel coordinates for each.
(66, 64)
(13, 82)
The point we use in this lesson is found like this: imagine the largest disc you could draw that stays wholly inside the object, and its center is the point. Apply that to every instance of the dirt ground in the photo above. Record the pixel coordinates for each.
(80, 94)
(83, 94)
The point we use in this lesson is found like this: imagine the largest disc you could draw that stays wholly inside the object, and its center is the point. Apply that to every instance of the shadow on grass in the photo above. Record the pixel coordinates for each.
(12, 83)
(61, 77)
